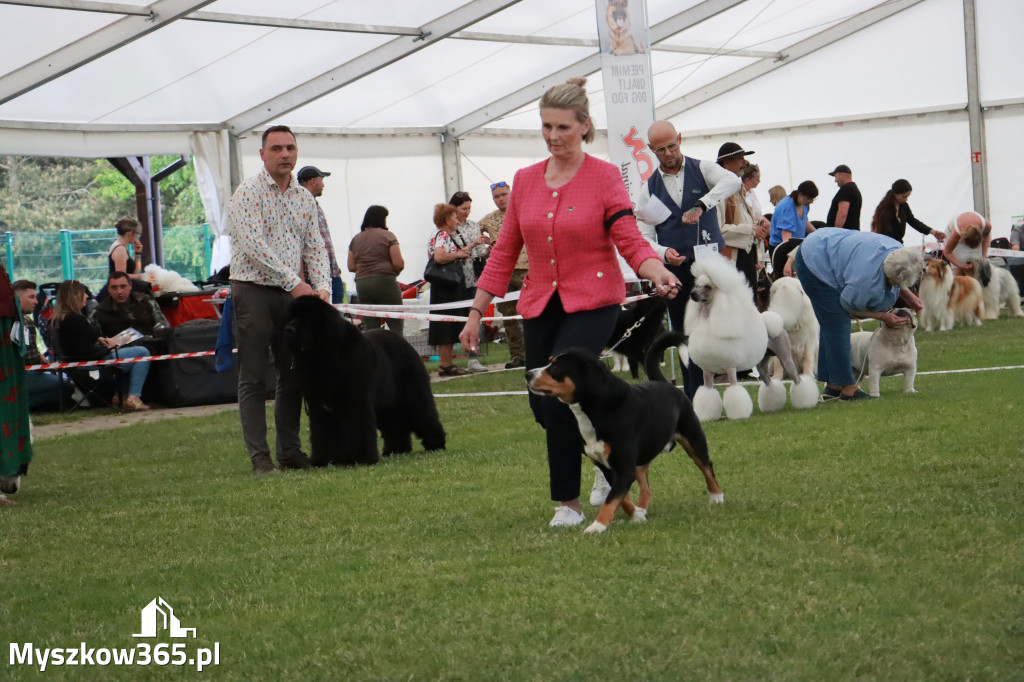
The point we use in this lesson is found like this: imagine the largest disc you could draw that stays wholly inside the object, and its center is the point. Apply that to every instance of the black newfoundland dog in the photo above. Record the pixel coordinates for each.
(355, 383)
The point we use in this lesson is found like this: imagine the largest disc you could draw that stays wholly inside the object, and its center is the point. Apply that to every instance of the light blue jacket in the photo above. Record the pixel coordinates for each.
(851, 263)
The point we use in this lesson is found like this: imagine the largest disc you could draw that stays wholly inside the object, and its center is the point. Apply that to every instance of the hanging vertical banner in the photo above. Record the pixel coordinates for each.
(628, 92)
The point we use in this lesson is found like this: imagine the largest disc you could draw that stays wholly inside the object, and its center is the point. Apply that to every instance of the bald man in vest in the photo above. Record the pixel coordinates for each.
(677, 215)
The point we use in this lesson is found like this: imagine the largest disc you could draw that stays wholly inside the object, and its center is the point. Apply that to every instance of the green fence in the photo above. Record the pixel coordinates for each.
(56, 256)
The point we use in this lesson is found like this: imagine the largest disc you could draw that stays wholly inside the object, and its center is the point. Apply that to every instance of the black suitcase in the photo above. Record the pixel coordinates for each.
(195, 381)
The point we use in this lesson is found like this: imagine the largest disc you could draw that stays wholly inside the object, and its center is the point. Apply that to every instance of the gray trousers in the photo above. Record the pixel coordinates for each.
(260, 313)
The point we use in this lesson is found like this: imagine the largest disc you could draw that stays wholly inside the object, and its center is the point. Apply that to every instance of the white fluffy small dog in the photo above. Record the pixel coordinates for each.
(791, 303)
(727, 333)
(168, 280)
(887, 351)
(998, 287)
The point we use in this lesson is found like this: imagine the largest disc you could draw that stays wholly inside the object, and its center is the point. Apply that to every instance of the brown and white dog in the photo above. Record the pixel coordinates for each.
(949, 299)
(620, 29)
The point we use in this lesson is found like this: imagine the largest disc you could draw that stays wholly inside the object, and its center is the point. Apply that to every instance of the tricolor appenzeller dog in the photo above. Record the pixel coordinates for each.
(624, 426)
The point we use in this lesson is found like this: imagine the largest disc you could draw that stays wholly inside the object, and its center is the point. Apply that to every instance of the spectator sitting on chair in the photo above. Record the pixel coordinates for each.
(79, 341)
(125, 308)
(44, 388)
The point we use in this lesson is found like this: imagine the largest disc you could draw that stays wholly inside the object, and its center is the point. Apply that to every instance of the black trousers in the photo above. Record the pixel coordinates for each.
(693, 376)
(551, 333)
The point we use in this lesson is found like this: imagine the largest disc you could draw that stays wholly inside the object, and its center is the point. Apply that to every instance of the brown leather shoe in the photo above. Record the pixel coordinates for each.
(262, 464)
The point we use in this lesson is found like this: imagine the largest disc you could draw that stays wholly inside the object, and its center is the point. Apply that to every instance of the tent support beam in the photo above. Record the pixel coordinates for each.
(791, 54)
(365, 64)
(523, 96)
(451, 164)
(93, 46)
(976, 122)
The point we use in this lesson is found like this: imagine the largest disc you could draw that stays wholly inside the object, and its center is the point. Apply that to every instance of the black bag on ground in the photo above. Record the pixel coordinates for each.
(195, 381)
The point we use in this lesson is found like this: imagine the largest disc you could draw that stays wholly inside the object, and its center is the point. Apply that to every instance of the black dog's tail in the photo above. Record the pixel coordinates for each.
(652, 362)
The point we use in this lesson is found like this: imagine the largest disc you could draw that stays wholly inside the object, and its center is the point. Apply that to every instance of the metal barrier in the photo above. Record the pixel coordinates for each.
(82, 254)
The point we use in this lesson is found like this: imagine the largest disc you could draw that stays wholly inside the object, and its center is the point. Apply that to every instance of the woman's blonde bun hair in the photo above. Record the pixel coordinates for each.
(571, 95)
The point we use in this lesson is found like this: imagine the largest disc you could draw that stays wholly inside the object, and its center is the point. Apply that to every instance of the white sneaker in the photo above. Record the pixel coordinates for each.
(599, 493)
(567, 516)
(474, 366)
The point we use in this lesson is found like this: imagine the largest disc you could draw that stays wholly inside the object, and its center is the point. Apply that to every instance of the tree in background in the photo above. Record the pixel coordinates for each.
(48, 194)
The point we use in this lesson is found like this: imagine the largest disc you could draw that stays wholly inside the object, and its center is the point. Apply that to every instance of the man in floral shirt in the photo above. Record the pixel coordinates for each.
(275, 239)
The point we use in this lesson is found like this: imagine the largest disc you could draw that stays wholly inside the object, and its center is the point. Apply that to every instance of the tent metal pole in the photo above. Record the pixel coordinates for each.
(979, 164)
(451, 164)
(235, 160)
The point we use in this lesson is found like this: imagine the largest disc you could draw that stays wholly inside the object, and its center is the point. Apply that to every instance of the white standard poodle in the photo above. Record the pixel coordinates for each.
(789, 301)
(726, 333)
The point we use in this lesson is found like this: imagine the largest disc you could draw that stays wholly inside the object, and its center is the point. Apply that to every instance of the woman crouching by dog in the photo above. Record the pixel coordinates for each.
(569, 210)
(848, 275)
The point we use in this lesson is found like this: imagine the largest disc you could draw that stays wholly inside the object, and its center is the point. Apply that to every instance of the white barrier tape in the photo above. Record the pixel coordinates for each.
(1004, 253)
(400, 312)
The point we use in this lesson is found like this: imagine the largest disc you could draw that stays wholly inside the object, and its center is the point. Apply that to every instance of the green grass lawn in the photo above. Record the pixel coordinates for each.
(879, 540)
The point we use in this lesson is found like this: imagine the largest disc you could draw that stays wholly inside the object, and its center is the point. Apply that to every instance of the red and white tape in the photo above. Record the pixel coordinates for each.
(120, 361)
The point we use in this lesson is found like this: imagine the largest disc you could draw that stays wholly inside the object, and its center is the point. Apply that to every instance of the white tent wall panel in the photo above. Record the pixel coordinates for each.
(877, 152)
(1000, 30)
(911, 60)
(1005, 149)
(40, 141)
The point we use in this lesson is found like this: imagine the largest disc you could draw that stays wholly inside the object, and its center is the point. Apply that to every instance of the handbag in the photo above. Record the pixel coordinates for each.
(448, 273)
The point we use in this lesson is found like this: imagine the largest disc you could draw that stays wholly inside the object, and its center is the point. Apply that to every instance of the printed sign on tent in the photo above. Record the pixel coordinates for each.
(629, 98)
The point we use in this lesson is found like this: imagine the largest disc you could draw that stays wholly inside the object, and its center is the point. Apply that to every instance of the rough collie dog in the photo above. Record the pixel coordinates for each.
(998, 287)
(949, 299)
(791, 303)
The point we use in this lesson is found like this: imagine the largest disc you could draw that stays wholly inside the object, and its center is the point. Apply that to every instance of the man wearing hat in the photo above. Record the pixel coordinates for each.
(312, 178)
(676, 211)
(739, 228)
(845, 208)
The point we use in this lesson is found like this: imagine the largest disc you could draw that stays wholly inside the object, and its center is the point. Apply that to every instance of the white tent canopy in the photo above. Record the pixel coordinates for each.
(405, 100)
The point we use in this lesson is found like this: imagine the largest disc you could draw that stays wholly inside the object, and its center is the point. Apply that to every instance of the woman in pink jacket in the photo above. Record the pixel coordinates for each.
(571, 211)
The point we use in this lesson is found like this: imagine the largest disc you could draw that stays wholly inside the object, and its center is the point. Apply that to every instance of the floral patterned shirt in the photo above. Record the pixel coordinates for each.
(275, 233)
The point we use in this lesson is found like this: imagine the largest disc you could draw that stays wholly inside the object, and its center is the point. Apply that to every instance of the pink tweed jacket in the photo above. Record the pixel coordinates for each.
(568, 247)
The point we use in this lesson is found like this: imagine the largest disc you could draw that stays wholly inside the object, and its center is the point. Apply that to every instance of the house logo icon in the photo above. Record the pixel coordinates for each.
(159, 613)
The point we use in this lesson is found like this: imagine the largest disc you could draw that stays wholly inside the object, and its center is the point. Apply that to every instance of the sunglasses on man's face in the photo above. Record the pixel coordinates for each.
(499, 184)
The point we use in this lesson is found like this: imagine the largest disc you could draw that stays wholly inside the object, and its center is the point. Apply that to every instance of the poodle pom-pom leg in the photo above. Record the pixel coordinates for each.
(804, 395)
(737, 403)
(707, 404)
(771, 397)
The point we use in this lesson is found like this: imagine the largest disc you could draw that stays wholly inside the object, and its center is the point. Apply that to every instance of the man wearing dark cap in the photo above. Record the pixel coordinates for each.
(845, 208)
(312, 178)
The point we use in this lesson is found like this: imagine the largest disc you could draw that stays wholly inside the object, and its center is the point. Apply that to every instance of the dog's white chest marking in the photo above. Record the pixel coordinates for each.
(593, 448)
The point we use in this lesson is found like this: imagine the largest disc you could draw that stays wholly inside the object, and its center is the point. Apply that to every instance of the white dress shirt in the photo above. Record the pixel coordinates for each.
(722, 184)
